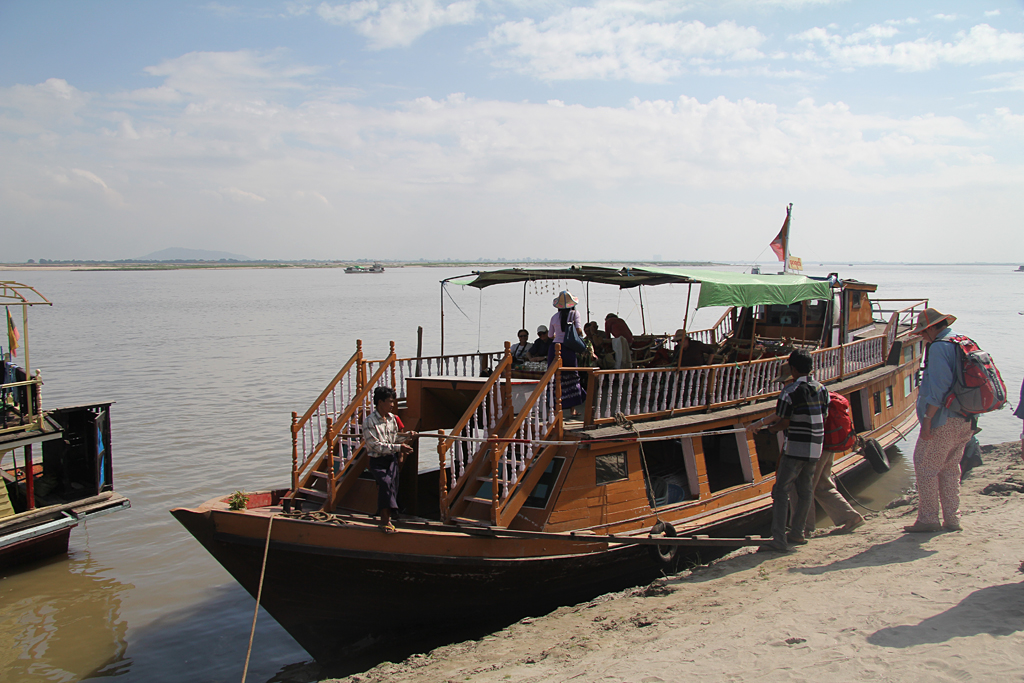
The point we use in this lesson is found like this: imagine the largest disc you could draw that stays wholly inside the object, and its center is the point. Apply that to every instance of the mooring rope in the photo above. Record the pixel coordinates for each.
(259, 594)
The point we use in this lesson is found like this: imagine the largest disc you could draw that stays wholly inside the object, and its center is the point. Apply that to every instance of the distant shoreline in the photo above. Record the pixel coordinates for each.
(252, 265)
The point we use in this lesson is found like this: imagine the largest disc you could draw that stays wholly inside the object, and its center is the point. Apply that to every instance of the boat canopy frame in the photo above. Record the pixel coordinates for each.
(718, 288)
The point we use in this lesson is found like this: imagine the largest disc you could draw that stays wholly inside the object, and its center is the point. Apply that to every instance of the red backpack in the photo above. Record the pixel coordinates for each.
(977, 385)
(839, 434)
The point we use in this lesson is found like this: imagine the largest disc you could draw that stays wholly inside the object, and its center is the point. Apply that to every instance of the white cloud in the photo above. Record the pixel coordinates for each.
(225, 73)
(1014, 81)
(337, 170)
(241, 195)
(992, 13)
(981, 45)
(618, 40)
(397, 23)
(945, 17)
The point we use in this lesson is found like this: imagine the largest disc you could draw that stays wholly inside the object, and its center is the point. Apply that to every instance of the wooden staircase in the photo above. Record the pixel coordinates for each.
(511, 462)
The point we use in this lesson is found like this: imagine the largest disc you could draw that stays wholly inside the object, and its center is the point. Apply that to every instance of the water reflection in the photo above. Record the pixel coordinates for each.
(63, 622)
(207, 641)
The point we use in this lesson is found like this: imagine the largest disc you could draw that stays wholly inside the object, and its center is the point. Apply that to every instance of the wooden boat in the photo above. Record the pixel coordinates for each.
(526, 510)
(41, 502)
(377, 267)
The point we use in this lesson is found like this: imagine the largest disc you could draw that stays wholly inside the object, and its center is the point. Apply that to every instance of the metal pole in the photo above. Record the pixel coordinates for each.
(29, 389)
(442, 318)
(588, 301)
(785, 242)
(525, 282)
(643, 321)
(686, 313)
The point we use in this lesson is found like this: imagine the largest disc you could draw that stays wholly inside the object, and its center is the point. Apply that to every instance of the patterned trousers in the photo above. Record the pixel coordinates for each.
(937, 468)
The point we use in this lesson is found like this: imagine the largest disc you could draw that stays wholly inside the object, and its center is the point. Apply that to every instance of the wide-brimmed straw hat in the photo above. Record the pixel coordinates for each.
(929, 317)
(678, 336)
(565, 300)
(785, 372)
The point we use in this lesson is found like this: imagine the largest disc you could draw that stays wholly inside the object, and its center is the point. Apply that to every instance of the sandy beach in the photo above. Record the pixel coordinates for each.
(877, 605)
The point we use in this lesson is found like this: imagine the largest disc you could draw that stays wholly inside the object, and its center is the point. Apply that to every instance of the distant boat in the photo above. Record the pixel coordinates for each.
(755, 270)
(1020, 269)
(375, 268)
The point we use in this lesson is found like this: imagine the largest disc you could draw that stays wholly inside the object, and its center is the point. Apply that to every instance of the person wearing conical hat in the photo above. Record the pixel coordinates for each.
(573, 394)
(944, 433)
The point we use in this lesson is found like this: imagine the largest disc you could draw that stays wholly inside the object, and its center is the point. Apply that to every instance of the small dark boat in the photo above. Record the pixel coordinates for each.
(41, 501)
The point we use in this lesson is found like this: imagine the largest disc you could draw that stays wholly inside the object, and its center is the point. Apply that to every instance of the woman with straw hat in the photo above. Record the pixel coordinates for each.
(573, 394)
(944, 433)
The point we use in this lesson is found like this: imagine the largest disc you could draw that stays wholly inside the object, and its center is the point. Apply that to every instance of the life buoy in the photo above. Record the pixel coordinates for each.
(664, 555)
(875, 454)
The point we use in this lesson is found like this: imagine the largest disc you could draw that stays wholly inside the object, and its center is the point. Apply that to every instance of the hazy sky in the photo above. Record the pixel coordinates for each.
(488, 128)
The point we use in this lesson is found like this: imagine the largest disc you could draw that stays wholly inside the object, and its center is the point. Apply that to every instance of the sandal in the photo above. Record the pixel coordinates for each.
(389, 528)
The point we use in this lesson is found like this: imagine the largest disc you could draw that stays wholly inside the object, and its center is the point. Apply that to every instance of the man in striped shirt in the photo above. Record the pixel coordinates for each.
(800, 411)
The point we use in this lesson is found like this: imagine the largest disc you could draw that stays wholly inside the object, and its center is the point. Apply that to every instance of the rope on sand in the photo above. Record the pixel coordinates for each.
(259, 594)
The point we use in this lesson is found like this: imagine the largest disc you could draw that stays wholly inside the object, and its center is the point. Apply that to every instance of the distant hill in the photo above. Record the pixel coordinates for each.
(180, 254)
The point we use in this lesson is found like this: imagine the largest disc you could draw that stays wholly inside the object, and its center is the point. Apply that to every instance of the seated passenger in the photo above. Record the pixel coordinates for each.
(539, 349)
(617, 327)
(601, 345)
(521, 351)
(690, 352)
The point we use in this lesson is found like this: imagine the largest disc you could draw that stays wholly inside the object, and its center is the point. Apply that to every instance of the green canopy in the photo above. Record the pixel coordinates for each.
(718, 288)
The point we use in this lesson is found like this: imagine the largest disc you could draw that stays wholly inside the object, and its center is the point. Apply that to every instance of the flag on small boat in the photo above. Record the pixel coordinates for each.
(778, 244)
(12, 334)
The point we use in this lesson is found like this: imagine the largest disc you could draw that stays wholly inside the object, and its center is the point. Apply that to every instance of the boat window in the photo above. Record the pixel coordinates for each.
(878, 402)
(722, 459)
(855, 298)
(816, 311)
(908, 385)
(778, 314)
(859, 411)
(888, 396)
(611, 467)
(669, 476)
(768, 450)
(542, 491)
(908, 353)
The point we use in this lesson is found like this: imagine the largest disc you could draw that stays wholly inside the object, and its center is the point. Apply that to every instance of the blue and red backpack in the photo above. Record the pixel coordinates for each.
(977, 385)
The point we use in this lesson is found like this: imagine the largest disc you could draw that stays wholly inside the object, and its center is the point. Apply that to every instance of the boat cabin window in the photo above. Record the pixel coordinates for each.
(878, 402)
(725, 462)
(783, 315)
(542, 491)
(611, 467)
(670, 473)
(908, 353)
(888, 397)
(855, 297)
(908, 385)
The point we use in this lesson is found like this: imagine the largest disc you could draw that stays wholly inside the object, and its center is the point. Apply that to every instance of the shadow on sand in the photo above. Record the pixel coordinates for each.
(996, 610)
(902, 549)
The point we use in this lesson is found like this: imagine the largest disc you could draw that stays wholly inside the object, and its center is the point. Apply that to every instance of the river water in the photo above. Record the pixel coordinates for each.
(206, 366)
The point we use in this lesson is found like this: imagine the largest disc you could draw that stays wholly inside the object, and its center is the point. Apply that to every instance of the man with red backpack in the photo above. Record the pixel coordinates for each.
(944, 432)
(839, 436)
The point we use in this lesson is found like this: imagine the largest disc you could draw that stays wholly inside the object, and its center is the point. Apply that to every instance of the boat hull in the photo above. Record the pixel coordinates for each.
(337, 602)
(36, 548)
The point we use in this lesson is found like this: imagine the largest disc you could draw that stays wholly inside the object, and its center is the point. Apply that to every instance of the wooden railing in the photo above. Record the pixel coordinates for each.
(458, 459)
(717, 332)
(344, 438)
(34, 397)
(308, 431)
(459, 365)
(349, 418)
(539, 420)
(654, 392)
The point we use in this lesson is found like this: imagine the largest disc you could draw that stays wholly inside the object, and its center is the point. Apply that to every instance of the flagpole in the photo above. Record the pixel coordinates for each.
(785, 243)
